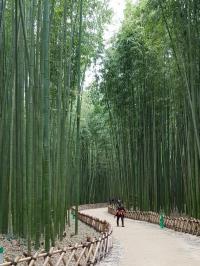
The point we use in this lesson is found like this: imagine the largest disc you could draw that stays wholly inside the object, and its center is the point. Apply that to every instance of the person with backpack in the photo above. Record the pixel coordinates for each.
(120, 213)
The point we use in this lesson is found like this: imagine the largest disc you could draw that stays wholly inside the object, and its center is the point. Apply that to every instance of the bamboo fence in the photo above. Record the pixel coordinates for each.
(88, 253)
(181, 224)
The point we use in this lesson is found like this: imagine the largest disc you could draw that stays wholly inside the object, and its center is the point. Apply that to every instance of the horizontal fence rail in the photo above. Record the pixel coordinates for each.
(93, 206)
(88, 253)
(181, 224)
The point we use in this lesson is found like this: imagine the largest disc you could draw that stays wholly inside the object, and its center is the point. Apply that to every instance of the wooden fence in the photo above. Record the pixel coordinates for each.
(93, 206)
(181, 224)
(88, 253)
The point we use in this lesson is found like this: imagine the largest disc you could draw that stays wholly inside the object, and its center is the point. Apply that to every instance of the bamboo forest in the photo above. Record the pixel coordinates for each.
(132, 133)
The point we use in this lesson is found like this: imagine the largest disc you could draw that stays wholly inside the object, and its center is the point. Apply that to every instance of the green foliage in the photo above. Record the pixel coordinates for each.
(42, 68)
(95, 148)
(150, 90)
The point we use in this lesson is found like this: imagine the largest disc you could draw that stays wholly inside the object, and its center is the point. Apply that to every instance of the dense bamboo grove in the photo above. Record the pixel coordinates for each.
(148, 96)
(43, 60)
(134, 134)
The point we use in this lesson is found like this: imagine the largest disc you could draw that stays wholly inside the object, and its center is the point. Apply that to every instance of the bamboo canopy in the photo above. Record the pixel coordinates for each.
(133, 133)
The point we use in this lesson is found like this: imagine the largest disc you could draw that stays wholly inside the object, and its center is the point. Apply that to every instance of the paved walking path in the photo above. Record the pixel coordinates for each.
(145, 244)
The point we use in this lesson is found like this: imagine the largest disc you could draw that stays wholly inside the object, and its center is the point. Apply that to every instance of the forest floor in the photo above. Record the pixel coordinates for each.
(15, 247)
(145, 244)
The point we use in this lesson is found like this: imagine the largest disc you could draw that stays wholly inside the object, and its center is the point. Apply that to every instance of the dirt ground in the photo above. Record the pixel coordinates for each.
(15, 247)
(145, 244)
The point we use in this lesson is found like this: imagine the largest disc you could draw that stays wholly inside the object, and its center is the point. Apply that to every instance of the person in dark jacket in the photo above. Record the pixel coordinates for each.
(120, 214)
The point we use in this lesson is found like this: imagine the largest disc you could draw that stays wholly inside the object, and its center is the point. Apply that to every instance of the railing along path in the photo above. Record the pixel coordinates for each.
(87, 253)
(181, 224)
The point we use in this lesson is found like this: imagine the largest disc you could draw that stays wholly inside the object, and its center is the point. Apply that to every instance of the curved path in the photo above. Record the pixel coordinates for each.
(145, 244)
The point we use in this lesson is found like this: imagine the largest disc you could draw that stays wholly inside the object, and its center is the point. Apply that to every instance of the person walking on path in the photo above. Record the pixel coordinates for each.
(120, 214)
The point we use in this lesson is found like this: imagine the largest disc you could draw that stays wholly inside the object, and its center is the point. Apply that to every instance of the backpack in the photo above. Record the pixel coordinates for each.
(120, 212)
